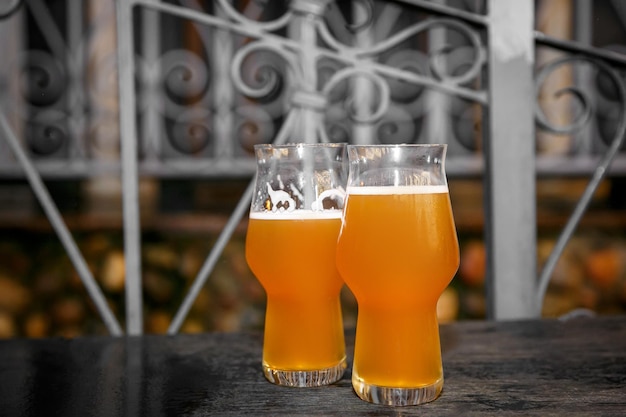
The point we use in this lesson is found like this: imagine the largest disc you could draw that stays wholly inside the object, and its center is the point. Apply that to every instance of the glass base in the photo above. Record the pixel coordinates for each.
(314, 378)
(396, 396)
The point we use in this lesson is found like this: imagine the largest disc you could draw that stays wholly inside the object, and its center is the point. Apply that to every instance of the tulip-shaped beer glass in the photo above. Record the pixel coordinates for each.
(397, 251)
(290, 246)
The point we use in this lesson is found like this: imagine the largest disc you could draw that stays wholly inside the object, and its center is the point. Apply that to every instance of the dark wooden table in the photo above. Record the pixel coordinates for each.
(541, 368)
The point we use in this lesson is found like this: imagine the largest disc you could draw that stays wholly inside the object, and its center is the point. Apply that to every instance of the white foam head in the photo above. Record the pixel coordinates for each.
(296, 215)
(398, 189)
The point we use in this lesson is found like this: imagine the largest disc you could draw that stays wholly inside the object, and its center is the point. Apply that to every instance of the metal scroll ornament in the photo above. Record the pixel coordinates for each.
(386, 73)
(583, 119)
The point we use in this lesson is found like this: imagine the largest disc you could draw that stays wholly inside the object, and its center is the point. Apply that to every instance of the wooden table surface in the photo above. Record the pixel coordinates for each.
(540, 368)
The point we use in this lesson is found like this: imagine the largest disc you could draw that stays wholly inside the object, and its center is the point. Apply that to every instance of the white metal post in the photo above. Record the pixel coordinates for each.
(510, 211)
(130, 188)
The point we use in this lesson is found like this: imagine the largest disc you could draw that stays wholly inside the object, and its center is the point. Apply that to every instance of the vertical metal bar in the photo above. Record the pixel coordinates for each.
(438, 128)
(12, 31)
(128, 139)
(583, 76)
(151, 45)
(302, 28)
(75, 95)
(510, 218)
(222, 47)
(363, 92)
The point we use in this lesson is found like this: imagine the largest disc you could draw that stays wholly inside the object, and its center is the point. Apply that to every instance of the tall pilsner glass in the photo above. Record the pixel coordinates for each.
(290, 246)
(397, 251)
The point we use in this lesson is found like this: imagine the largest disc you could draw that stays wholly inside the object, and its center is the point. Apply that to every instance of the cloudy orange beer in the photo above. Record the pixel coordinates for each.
(397, 251)
(292, 254)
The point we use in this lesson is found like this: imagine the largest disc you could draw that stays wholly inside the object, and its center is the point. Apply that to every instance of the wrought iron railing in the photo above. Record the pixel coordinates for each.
(192, 86)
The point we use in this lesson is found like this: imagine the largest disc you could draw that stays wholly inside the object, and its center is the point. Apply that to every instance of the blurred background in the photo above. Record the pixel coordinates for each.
(196, 130)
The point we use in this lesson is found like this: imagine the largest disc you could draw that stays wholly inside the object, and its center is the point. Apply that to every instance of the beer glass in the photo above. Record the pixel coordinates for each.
(290, 247)
(397, 251)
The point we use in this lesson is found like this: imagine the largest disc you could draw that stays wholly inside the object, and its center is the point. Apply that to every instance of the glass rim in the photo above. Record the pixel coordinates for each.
(290, 145)
(400, 145)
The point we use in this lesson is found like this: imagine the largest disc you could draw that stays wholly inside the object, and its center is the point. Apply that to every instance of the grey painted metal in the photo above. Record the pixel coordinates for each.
(363, 91)
(611, 57)
(60, 228)
(583, 33)
(349, 55)
(598, 175)
(74, 56)
(222, 49)
(302, 29)
(306, 114)
(130, 189)
(510, 166)
(510, 212)
(601, 60)
(508, 99)
(240, 210)
(151, 43)
(443, 10)
(439, 104)
(10, 28)
(9, 7)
